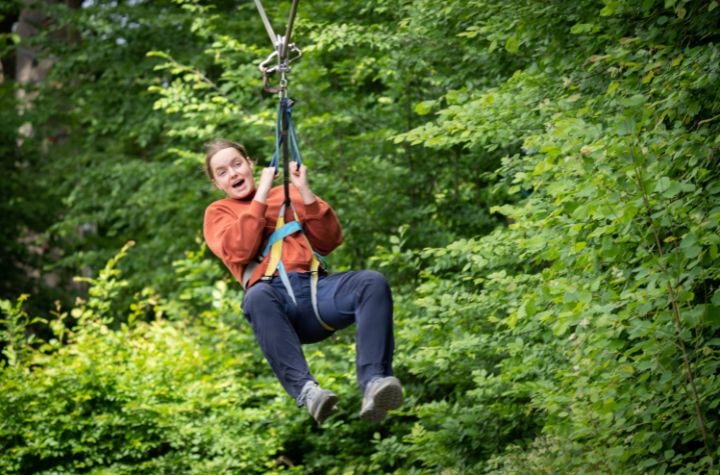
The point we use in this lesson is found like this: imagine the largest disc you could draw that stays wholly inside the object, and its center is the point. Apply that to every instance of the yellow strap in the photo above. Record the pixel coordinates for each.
(314, 265)
(315, 276)
(276, 249)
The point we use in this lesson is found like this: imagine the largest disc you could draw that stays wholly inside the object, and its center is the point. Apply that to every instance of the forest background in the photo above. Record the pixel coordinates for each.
(537, 179)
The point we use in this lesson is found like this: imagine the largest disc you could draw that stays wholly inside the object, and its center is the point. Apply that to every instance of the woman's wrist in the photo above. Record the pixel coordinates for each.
(261, 195)
(308, 197)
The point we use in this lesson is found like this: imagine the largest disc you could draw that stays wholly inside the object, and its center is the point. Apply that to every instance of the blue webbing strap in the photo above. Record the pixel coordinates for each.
(286, 281)
(279, 235)
(286, 230)
(322, 260)
(275, 162)
(294, 148)
(293, 141)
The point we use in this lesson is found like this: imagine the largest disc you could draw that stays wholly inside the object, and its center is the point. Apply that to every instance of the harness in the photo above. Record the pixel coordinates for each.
(286, 140)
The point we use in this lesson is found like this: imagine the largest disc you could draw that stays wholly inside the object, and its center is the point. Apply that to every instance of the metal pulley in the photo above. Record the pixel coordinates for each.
(273, 64)
(284, 52)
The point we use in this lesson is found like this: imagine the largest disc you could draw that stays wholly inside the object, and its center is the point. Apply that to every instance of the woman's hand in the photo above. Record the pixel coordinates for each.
(266, 181)
(299, 178)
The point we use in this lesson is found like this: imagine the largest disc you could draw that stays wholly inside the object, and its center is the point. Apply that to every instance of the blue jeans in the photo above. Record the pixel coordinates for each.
(281, 327)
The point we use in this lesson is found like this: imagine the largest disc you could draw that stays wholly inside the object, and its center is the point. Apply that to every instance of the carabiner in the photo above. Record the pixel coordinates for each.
(282, 66)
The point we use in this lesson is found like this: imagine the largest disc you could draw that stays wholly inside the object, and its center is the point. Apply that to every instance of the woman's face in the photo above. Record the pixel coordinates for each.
(232, 173)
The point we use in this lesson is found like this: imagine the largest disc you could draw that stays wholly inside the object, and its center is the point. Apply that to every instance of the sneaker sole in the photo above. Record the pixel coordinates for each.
(389, 396)
(326, 407)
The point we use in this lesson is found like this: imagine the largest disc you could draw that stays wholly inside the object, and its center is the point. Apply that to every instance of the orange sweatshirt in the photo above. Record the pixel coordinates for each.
(237, 231)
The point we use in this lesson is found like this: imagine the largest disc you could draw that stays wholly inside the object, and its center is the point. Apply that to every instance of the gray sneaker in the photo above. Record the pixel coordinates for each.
(381, 396)
(320, 402)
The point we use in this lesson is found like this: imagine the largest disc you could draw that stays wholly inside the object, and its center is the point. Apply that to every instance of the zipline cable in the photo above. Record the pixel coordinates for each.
(288, 32)
(266, 22)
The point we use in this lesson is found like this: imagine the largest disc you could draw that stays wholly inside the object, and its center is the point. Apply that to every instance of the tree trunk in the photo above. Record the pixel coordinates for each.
(30, 66)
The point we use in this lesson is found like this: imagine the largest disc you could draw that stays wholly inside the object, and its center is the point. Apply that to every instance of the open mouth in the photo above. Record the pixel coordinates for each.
(238, 183)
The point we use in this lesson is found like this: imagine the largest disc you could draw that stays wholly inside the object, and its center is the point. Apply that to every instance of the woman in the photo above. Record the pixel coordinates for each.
(283, 317)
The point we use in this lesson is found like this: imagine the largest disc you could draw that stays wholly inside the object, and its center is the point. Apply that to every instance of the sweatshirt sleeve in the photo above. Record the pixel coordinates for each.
(322, 227)
(234, 238)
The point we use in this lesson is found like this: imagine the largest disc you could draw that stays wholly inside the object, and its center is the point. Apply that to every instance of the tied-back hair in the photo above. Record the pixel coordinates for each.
(214, 146)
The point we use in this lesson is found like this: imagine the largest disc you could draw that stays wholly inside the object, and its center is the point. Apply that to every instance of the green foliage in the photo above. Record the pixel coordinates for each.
(12, 333)
(111, 160)
(594, 308)
(147, 397)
